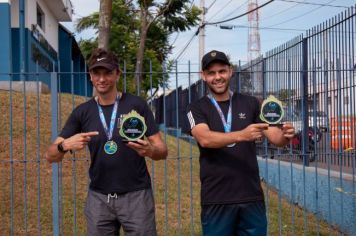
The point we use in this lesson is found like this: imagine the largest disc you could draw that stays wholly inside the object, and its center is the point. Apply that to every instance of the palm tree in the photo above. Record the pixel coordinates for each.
(104, 26)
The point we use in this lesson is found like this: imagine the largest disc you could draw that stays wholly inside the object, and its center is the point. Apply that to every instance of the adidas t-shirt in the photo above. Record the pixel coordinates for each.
(228, 174)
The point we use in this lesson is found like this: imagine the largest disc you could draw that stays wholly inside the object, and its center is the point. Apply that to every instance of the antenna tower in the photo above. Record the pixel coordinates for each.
(254, 44)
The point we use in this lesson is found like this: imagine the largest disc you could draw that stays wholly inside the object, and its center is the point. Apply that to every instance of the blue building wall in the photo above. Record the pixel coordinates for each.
(71, 60)
(16, 64)
(325, 194)
(5, 45)
(65, 61)
(40, 60)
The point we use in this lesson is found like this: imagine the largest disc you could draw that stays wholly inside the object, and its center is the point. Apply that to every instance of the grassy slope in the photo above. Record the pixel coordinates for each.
(25, 169)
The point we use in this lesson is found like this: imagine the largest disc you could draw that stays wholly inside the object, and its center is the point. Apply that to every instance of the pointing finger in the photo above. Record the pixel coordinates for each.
(92, 133)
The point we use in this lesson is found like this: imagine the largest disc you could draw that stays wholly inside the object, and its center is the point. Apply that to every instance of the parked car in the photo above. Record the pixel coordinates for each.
(320, 119)
(321, 123)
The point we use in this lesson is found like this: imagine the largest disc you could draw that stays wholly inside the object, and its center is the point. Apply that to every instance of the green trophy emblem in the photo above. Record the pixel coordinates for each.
(133, 127)
(272, 111)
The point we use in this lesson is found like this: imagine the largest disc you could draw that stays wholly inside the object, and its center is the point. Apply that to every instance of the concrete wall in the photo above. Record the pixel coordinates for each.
(319, 191)
(30, 86)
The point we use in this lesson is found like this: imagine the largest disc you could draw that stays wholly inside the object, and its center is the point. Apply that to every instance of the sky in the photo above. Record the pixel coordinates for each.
(279, 22)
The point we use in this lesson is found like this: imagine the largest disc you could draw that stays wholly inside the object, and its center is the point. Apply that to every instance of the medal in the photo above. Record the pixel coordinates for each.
(110, 147)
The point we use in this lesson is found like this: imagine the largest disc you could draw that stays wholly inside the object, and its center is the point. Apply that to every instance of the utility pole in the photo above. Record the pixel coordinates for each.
(202, 32)
(254, 46)
(202, 40)
(254, 43)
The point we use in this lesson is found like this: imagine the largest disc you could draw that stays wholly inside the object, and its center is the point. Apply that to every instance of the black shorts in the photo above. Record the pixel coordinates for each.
(234, 219)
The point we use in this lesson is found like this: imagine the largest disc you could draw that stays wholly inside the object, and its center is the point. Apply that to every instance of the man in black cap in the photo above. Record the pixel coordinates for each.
(226, 126)
(120, 189)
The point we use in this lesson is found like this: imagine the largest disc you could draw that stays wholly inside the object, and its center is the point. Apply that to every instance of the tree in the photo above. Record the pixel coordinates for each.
(174, 15)
(127, 42)
(105, 14)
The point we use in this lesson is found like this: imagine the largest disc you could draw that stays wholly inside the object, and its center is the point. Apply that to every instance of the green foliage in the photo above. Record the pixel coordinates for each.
(86, 46)
(285, 94)
(178, 16)
(172, 16)
(88, 22)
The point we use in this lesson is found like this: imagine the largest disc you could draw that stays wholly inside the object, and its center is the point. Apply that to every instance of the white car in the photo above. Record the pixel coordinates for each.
(315, 118)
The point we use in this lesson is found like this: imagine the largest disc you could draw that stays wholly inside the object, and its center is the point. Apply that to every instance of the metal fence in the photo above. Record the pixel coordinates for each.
(309, 186)
(314, 76)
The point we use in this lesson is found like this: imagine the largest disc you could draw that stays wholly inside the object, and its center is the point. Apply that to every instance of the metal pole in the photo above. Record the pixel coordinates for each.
(165, 161)
(190, 160)
(74, 165)
(55, 172)
(23, 79)
(22, 37)
(151, 106)
(178, 153)
(202, 40)
(304, 108)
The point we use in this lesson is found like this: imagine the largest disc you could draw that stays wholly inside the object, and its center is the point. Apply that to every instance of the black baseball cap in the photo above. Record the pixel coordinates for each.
(103, 58)
(214, 56)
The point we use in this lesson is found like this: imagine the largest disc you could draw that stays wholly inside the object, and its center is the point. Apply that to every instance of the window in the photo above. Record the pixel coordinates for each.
(40, 18)
(40, 58)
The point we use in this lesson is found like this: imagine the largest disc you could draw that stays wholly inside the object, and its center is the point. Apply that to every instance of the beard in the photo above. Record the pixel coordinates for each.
(218, 90)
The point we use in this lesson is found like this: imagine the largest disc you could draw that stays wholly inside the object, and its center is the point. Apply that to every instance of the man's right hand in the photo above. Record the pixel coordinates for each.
(253, 132)
(78, 141)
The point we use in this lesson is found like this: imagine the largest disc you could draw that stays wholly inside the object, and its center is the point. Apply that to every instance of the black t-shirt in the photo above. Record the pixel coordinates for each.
(229, 174)
(124, 171)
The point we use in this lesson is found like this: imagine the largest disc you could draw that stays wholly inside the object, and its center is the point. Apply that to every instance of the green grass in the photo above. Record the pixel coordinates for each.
(26, 169)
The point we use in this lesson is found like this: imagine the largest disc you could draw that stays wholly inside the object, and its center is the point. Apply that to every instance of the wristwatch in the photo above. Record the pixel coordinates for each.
(60, 148)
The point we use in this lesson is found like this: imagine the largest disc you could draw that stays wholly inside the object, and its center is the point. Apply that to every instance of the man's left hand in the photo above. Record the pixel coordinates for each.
(288, 130)
(142, 147)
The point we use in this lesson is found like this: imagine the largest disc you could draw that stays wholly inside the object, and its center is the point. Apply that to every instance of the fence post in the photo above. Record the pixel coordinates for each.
(178, 151)
(124, 80)
(165, 161)
(304, 103)
(22, 38)
(151, 106)
(55, 172)
(238, 78)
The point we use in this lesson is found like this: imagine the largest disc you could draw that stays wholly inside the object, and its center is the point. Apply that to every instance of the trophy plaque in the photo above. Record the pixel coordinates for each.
(272, 111)
(133, 127)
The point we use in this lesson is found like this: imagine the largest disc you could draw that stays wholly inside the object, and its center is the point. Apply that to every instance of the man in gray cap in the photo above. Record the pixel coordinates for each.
(226, 126)
(120, 189)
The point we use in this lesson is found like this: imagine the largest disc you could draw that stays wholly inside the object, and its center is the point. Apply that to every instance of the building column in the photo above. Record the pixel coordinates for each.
(5, 46)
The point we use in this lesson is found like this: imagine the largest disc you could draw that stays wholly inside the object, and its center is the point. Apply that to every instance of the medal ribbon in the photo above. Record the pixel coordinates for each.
(226, 123)
(108, 132)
